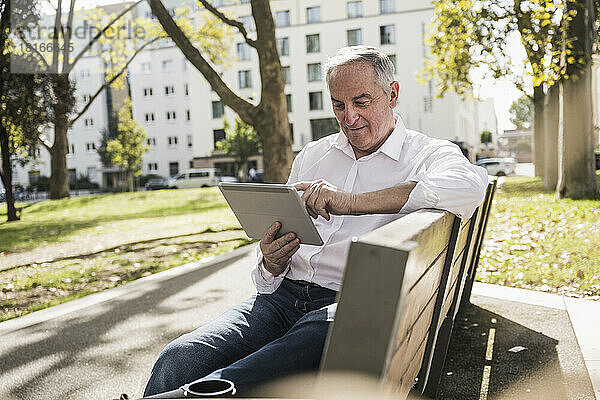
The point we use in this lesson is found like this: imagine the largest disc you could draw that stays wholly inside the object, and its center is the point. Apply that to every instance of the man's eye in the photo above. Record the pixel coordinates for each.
(338, 106)
(362, 103)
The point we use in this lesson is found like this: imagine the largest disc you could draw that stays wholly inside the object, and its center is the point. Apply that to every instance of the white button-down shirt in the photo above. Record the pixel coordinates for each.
(445, 180)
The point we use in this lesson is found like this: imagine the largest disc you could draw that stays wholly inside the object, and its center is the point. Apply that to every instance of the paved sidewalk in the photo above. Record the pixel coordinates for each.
(102, 345)
(521, 344)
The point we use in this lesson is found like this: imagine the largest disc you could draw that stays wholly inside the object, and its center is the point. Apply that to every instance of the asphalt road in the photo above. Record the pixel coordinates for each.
(101, 351)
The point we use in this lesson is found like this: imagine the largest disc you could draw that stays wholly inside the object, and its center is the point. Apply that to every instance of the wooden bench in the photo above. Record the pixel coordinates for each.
(401, 291)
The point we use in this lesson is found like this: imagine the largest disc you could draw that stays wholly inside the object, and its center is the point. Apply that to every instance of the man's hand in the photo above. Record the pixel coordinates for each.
(322, 198)
(277, 252)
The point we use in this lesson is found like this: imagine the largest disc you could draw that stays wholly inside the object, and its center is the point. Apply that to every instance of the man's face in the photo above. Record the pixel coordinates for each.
(362, 108)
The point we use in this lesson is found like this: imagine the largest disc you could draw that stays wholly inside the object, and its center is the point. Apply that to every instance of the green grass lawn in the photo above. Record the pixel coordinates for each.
(88, 244)
(535, 241)
(139, 214)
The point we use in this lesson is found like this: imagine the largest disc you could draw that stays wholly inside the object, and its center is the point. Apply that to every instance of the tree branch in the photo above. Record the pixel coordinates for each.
(243, 108)
(229, 21)
(114, 78)
(34, 50)
(57, 27)
(99, 34)
(67, 39)
(45, 143)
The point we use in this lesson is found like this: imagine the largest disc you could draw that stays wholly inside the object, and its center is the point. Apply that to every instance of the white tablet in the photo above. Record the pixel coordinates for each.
(257, 206)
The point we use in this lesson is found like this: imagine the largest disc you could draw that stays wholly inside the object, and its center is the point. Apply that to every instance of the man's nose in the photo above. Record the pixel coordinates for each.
(351, 116)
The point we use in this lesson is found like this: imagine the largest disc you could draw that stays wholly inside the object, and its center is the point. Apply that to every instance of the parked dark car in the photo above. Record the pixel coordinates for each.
(156, 184)
(258, 177)
(597, 160)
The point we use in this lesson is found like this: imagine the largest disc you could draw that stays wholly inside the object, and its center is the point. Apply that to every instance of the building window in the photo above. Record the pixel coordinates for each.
(283, 46)
(71, 149)
(172, 140)
(247, 21)
(323, 127)
(191, 164)
(354, 9)
(244, 79)
(167, 65)
(313, 15)
(90, 146)
(218, 135)
(85, 74)
(87, 98)
(171, 115)
(313, 44)
(354, 37)
(392, 58)
(173, 168)
(151, 141)
(387, 6)
(152, 166)
(282, 18)
(387, 34)
(149, 117)
(185, 65)
(287, 74)
(315, 100)
(217, 109)
(288, 102)
(88, 122)
(189, 141)
(147, 92)
(188, 115)
(243, 51)
(169, 90)
(146, 68)
(314, 72)
(186, 89)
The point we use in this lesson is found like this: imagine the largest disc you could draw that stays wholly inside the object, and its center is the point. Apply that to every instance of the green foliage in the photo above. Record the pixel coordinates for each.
(241, 142)
(475, 34)
(523, 146)
(128, 148)
(486, 137)
(521, 112)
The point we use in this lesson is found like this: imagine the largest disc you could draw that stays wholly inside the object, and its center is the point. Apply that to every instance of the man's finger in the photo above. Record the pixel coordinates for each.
(272, 231)
(302, 186)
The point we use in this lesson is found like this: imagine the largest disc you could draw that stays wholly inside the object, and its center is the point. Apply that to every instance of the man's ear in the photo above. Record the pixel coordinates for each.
(394, 93)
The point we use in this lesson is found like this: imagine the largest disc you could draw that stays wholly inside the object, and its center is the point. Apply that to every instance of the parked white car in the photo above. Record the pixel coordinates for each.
(498, 166)
(196, 178)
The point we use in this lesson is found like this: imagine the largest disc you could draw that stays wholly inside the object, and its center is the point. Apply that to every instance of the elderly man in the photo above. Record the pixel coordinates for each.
(372, 172)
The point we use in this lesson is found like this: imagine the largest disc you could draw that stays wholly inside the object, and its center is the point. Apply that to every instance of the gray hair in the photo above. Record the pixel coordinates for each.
(355, 54)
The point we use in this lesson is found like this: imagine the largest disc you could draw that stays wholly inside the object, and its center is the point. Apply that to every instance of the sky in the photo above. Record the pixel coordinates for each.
(502, 91)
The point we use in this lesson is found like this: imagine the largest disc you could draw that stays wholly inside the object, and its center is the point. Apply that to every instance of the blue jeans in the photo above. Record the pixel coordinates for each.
(266, 337)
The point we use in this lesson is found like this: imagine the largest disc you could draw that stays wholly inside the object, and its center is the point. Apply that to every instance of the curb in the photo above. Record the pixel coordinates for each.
(138, 286)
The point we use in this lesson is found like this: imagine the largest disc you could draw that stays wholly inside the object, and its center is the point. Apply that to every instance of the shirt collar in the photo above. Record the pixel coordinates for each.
(391, 147)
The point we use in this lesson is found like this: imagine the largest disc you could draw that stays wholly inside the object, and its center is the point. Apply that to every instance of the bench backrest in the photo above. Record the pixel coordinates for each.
(401, 288)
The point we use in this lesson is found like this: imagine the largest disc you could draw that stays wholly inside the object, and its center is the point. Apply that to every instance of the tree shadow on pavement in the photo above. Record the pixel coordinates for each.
(521, 359)
(61, 344)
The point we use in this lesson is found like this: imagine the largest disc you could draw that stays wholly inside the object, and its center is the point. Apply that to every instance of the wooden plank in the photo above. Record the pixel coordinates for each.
(369, 298)
(417, 299)
(402, 387)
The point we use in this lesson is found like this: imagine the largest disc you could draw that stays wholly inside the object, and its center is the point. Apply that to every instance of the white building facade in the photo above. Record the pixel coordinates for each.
(183, 117)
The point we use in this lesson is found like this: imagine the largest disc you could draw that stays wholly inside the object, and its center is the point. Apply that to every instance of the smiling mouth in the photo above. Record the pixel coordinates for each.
(355, 129)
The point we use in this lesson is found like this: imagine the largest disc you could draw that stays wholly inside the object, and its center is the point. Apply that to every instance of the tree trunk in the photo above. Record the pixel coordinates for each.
(6, 175)
(130, 181)
(577, 174)
(538, 130)
(551, 112)
(270, 117)
(59, 178)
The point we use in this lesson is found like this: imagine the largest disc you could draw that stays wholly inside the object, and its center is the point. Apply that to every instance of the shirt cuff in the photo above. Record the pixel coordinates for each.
(420, 197)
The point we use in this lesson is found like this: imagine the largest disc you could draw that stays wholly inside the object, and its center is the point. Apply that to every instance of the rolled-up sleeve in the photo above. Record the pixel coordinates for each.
(264, 281)
(447, 181)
